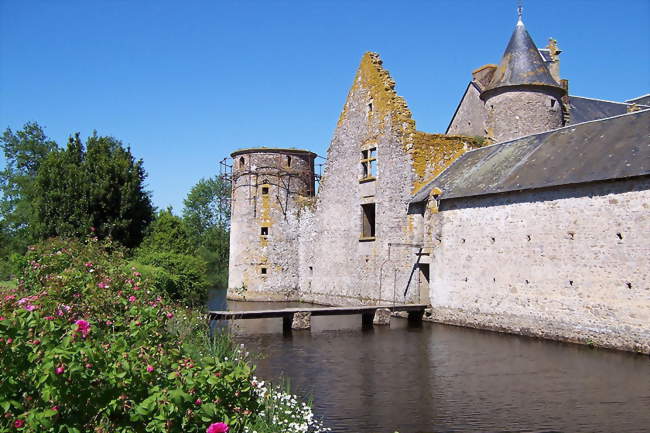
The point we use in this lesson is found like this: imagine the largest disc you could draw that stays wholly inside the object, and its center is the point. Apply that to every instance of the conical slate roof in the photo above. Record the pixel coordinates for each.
(521, 64)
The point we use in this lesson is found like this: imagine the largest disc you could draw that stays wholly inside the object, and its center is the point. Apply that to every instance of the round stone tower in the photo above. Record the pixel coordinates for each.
(268, 186)
(522, 98)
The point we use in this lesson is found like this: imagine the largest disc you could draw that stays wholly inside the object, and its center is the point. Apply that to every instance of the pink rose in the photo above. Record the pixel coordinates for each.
(19, 423)
(150, 368)
(170, 315)
(198, 402)
(218, 427)
(132, 298)
(60, 369)
(83, 328)
(10, 340)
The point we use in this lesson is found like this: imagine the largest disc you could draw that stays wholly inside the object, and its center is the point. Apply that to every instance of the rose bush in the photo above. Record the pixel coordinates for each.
(88, 347)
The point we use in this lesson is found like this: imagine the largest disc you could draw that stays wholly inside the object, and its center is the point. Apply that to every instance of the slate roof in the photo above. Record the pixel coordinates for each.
(641, 100)
(588, 109)
(522, 63)
(613, 148)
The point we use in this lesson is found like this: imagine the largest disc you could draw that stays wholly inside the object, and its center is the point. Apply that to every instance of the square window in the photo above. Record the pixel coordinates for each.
(264, 231)
(263, 271)
(369, 163)
(265, 190)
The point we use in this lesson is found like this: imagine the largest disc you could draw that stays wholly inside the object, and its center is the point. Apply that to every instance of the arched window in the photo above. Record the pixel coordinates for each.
(288, 161)
(242, 162)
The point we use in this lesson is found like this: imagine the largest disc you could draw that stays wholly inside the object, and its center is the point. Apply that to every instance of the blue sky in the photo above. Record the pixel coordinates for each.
(184, 83)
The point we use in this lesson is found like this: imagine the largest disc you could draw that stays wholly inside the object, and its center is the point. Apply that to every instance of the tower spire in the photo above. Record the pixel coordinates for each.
(520, 12)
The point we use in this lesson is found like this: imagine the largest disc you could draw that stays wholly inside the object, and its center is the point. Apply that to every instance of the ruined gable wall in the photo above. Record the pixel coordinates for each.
(548, 263)
(336, 267)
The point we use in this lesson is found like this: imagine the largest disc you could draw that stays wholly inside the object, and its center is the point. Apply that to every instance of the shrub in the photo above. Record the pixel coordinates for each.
(181, 277)
(85, 346)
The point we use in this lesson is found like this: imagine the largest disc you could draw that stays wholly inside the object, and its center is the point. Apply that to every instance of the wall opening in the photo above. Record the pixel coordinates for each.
(368, 221)
(242, 162)
(265, 190)
(264, 231)
(263, 270)
(288, 161)
(423, 282)
(369, 163)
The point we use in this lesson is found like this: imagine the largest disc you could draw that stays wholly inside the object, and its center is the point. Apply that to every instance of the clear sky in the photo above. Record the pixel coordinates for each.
(186, 82)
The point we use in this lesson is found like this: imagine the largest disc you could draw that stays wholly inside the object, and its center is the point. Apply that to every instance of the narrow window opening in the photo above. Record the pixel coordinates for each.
(263, 271)
(368, 225)
(369, 163)
(288, 161)
(370, 107)
(552, 102)
(629, 285)
(264, 231)
(570, 282)
(242, 162)
(265, 190)
(620, 236)
(311, 271)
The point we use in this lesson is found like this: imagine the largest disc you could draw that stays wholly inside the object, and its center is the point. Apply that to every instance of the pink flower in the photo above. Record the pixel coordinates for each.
(198, 402)
(19, 423)
(218, 427)
(10, 340)
(169, 315)
(60, 369)
(137, 274)
(103, 285)
(2, 318)
(30, 307)
(132, 298)
(83, 327)
(136, 288)
(89, 264)
(10, 297)
(55, 408)
(109, 323)
(150, 368)
(48, 317)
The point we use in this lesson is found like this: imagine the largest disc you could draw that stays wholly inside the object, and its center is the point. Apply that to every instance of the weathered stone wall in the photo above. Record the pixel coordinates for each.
(269, 187)
(569, 263)
(470, 115)
(514, 113)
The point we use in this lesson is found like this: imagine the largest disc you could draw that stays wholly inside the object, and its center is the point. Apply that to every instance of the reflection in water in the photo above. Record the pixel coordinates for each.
(446, 379)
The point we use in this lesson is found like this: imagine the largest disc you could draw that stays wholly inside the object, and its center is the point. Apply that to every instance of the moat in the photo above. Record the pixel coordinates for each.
(438, 378)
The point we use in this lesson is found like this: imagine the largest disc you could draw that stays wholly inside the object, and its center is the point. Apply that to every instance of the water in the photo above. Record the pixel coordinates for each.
(441, 378)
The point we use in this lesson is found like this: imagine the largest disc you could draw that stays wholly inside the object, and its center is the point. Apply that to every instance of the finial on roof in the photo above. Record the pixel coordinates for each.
(520, 13)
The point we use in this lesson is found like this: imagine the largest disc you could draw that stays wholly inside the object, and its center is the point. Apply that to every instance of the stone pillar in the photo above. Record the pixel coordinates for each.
(301, 320)
(382, 317)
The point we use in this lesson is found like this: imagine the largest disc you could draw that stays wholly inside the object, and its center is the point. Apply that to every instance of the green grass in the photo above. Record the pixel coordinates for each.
(11, 284)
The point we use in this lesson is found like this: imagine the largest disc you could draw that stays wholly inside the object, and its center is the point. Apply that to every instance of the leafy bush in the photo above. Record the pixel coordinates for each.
(181, 277)
(85, 346)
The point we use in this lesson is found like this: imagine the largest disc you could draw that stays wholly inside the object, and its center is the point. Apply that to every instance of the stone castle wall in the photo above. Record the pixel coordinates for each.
(569, 263)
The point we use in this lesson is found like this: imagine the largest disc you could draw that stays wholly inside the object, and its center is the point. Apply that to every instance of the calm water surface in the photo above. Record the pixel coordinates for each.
(441, 378)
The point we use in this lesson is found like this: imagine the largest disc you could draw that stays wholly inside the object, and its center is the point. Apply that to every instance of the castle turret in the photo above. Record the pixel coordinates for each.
(267, 186)
(522, 97)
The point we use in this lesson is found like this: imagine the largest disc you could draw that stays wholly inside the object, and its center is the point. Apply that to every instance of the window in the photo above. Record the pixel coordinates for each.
(242, 162)
(263, 270)
(265, 190)
(264, 231)
(369, 163)
(288, 161)
(368, 221)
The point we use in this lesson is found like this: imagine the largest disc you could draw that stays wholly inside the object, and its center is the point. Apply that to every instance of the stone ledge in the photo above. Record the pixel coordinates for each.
(630, 340)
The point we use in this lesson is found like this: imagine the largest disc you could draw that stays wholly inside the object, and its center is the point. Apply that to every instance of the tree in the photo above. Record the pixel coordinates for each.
(207, 216)
(24, 152)
(100, 188)
(167, 233)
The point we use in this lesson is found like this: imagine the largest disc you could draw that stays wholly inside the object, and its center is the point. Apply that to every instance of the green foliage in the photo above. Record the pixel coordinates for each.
(85, 346)
(181, 277)
(24, 151)
(167, 233)
(207, 217)
(98, 188)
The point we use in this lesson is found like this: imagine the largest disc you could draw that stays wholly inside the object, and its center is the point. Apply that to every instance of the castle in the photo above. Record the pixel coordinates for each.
(530, 215)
